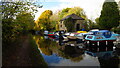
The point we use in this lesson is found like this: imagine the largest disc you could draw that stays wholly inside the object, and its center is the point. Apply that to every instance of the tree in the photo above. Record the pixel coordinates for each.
(109, 17)
(119, 11)
(91, 24)
(97, 22)
(24, 21)
(54, 19)
(14, 14)
(44, 20)
(64, 12)
(78, 11)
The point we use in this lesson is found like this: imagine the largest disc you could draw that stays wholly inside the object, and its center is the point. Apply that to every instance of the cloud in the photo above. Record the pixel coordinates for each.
(72, 0)
(40, 10)
(92, 8)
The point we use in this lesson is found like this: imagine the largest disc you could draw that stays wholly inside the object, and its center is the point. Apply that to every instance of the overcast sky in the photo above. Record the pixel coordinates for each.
(92, 8)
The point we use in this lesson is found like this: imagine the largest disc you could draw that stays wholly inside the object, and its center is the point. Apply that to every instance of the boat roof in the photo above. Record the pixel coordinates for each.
(103, 31)
(94, 30)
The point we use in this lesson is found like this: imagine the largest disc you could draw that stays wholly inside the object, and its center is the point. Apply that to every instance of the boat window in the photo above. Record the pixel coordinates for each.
(90, 37)
(90, 32)
(99, 38)
(107, 33)
(99, 33)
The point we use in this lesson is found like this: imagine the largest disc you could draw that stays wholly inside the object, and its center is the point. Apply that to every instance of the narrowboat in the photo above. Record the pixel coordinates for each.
(54, 38)
(81, 31)
(51, 34)
(78, 35)
(101, 36)
(72, 36)
(46, 33)
(81, 36)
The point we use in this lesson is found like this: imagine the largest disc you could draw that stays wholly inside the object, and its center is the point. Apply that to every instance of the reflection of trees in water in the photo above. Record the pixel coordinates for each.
(47, 46)
(46, 51)
(106, 56)
(71, 43)
(112, 62)
(117, 51)
(77, 59)
(72, 53)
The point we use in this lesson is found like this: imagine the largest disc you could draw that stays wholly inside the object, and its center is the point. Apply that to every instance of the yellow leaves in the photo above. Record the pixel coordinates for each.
(44, 20)
(46, 14)
(76, 10)
(41, 37)
(57, 26)
(33, 37)
(44, 17)
(36, 21)
(42, 27)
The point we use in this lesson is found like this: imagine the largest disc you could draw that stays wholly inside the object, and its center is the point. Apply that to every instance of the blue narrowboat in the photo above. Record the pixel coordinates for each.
(101, 36)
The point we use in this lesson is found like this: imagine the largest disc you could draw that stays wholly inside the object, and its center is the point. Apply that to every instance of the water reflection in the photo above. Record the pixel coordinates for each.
(62, 53)
(106, 55)
(53, 52)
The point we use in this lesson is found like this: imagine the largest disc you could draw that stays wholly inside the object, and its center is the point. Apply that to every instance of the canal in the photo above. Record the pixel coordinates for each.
(36, 50)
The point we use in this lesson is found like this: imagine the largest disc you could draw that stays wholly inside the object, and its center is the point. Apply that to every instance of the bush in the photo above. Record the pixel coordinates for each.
(116, 30)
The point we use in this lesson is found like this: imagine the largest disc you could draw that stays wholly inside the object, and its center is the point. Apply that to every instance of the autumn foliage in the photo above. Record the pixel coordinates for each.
(43, 22)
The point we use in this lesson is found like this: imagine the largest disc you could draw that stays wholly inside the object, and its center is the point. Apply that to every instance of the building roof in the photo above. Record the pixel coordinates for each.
(73, 16)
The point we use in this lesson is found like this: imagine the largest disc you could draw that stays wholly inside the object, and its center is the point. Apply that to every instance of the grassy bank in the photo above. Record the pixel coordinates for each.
(21, 51)
(36, 56)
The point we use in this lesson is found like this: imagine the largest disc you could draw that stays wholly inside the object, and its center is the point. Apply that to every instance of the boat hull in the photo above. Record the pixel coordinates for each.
(72, 37)
(101, 40)
(51, 34)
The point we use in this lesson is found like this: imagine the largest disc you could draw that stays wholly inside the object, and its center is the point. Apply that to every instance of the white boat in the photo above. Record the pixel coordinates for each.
(72, 36)
(46, 32)
(81, 35)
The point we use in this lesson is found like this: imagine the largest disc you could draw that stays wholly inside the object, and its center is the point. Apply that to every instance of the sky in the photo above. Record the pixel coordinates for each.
(92, 8)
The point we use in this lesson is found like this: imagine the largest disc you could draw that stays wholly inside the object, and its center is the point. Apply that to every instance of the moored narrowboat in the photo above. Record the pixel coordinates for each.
(101, 36)
(72, 36)
(51, 34)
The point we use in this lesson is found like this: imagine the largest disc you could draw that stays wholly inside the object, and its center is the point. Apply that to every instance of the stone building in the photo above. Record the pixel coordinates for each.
(78, 23)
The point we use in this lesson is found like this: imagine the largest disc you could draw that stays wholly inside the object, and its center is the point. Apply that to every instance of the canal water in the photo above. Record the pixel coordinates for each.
(75, 53)
(36, 50)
